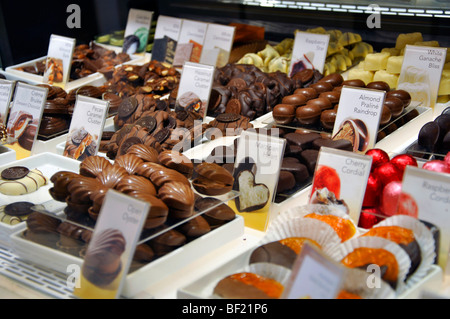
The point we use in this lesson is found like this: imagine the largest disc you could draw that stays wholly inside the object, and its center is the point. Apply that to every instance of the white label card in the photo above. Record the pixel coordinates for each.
(26, 113)
(426, 195)
(309, 51)
(421, 73)
(256, 171)
(361, 119)
(59, 59)
(195, 88)
(166, 38)
(314, 276)
(345, 175)
(86, 127)
(111, 248)
(217, 45)
(190, 43)
(137, 31)
(6, 90)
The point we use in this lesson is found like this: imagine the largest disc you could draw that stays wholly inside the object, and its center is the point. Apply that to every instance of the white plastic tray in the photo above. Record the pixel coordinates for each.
(48, 164)
(95, 79)
(203, 287)
(7, 155)
(146, 276)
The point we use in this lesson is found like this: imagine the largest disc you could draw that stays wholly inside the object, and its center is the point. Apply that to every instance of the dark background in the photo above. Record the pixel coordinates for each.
(26, 26)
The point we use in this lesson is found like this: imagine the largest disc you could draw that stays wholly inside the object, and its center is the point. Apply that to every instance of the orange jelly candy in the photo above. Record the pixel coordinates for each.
(343, 227)
(271, 287)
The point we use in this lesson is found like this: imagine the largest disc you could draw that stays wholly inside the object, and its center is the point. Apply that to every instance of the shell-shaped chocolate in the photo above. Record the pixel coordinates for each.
(177, 195)
(215, 172)
(94, 165)
(176, 160)
(70, 230)
(112, 175)
(147, 168)
(97, 202)
(60, 182)
(157, 207)
(165, 175)
(128, 161)
(42, 223)
(81, 188)
(135, 183)
(145, 152)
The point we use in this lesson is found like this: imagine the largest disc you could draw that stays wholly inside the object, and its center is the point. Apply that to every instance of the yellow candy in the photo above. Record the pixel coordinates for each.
(387, 77)
(407, 38)
(394, 64)
(376, 61)
(355, 73)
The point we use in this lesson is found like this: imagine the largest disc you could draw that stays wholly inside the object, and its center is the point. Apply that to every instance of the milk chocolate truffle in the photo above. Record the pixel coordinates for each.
(283, 113)
(395, 105)
(215, 211)
(335, 79)
(102, 263)
(308, 114)
(333, 96)
(322, 87)
(328, 118)
(322, 102)
(355, 82)
(196, 227)
(212, 179)
(379, 85)
(386, 115)
(167, 242)
(402, 95)
(310, 93)
(295, 99)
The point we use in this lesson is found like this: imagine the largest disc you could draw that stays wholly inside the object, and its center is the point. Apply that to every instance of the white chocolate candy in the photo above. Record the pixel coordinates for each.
(407, 38)
(366, 76)
(394, 64)
(376, 61)
(25, 185)
(387, 77)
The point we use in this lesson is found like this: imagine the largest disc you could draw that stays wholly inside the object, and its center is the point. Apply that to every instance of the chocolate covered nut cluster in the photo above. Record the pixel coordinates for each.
(154, 77)
(246, 90)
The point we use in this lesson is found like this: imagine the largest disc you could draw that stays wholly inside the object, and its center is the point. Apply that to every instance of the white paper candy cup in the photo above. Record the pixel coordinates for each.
(403, 260)
(424, 238)
(302, 211)
(316, 230)
(360, 282)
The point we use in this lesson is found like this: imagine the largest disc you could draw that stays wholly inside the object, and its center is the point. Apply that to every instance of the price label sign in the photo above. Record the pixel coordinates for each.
(425, 195)
(25, 117)
(190, 44)
(359, 123)
(341, 176)
(86, 127)
(256, 171)
(309, 51)
(314, 276)
(6, 89)
(137, 31)
(111, 248)
(166, 38)
(217, 45)
(420, 74)
(59, 60)
(195, 88)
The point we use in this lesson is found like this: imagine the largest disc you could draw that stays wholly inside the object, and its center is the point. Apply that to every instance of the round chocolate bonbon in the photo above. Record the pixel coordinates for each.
(321, 102)
(355, 82)
(321, 87)
(127, 107)
(125, 145)
(228, 117)
(379, 85)
(149, 122)
(308, 114)
(335, 79)
(333, 96)
(15, 172)
(402, 95)
(284, 113)
(19, 208)
(295, 99)
(309, 92)
(429, 135)
(395, 105)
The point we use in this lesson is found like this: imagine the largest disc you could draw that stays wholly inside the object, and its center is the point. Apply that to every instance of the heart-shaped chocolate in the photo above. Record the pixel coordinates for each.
(252, 196)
